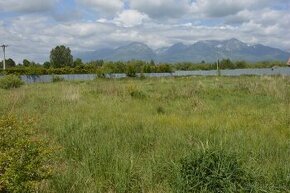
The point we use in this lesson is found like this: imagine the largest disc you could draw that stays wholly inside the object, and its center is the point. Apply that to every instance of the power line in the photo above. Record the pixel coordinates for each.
(4, 60)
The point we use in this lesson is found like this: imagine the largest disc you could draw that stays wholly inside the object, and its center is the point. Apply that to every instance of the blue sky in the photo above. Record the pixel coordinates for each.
(33, 27)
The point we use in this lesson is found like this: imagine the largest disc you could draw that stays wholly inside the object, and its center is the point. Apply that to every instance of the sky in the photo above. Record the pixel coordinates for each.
(32, 28)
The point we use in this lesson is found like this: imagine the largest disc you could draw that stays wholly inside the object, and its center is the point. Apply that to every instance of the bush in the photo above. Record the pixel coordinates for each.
(25, 159)
(160, 110)
(10, 81)
(57, 79)
(131, 70)
(100, 73)
(214, 171)
(135, 92)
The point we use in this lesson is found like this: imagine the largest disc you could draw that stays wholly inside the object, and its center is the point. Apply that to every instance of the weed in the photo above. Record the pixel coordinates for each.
(214, 171)
(135, 92)
(114, 141)
(160, 110)
(10, 81)
(57, 79)
(25, 159)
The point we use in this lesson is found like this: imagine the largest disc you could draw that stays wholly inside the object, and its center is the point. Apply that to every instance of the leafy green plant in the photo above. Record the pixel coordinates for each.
(131, 70)
(142, 76)
(214, 171)
(113, 142)
(57, 79)
(25, 158)
(137, 94)
(100, 73)
(160, 110)
(10, 81)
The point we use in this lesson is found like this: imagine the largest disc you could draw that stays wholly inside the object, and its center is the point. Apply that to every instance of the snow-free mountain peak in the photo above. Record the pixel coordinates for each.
(206, 50)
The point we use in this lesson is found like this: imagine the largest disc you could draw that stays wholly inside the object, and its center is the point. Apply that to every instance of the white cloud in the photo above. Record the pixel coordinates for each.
(157, 23)
(105, 6)
(161, 8)
(127, 18)
(27, 5)
(221, 8)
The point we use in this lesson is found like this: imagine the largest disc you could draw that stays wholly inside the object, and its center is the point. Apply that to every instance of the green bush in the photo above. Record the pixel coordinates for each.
(131, 70)
(100, 73)
(10, 81)
(160, 110)
(137, 94)
(57, 79)
(25, 159)
(214, 171)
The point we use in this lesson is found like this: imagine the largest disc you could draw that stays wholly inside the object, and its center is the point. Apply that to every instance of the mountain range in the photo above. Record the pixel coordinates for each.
(208, 51)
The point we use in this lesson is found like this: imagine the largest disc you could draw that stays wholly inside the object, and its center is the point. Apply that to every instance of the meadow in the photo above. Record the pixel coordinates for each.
(135, 135)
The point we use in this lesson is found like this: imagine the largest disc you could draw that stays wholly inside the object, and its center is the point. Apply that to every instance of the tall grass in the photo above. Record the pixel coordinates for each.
(131, 135)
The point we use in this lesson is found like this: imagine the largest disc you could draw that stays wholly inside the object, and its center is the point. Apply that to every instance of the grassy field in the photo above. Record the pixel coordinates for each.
(130, 135)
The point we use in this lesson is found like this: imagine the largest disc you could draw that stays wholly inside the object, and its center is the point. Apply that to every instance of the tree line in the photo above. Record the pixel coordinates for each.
(62, 62)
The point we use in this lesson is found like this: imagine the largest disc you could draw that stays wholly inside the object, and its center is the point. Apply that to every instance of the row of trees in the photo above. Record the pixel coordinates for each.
(60, 57)
(95, 67)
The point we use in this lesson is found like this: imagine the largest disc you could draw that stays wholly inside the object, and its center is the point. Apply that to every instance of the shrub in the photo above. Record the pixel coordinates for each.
(10, 81)
(142, 76)
(100, 73)
(57, 79)
(25, 159)
(160, 110)
(137, 94)
(214, 171)
(131, 70)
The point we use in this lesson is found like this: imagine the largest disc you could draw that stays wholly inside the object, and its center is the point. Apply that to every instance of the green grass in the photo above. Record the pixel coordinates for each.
(131, 135)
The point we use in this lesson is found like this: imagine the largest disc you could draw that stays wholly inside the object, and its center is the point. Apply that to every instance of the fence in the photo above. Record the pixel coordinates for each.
(236, 72)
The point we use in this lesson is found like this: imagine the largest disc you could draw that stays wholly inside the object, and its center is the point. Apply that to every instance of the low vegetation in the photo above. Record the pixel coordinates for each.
(131, 68)
(25, 157)
(57, 79)
(214, 171)
(190, 134)
(10, 81)
(62, 62)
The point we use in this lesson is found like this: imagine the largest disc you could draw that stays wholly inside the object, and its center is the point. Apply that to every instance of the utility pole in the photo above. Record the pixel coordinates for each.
(218, 67)
(4, 60)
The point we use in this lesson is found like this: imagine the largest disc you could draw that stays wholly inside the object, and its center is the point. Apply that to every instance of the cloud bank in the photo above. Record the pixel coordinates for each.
(32, 28)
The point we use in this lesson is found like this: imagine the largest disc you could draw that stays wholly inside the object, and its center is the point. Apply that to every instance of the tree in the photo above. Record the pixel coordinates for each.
(97, 63)
(46, 64)
(131, 70)
(241, 64)
(227, 64)
(26, 62)
(8, 63)
(78, 62)
(61, 56)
